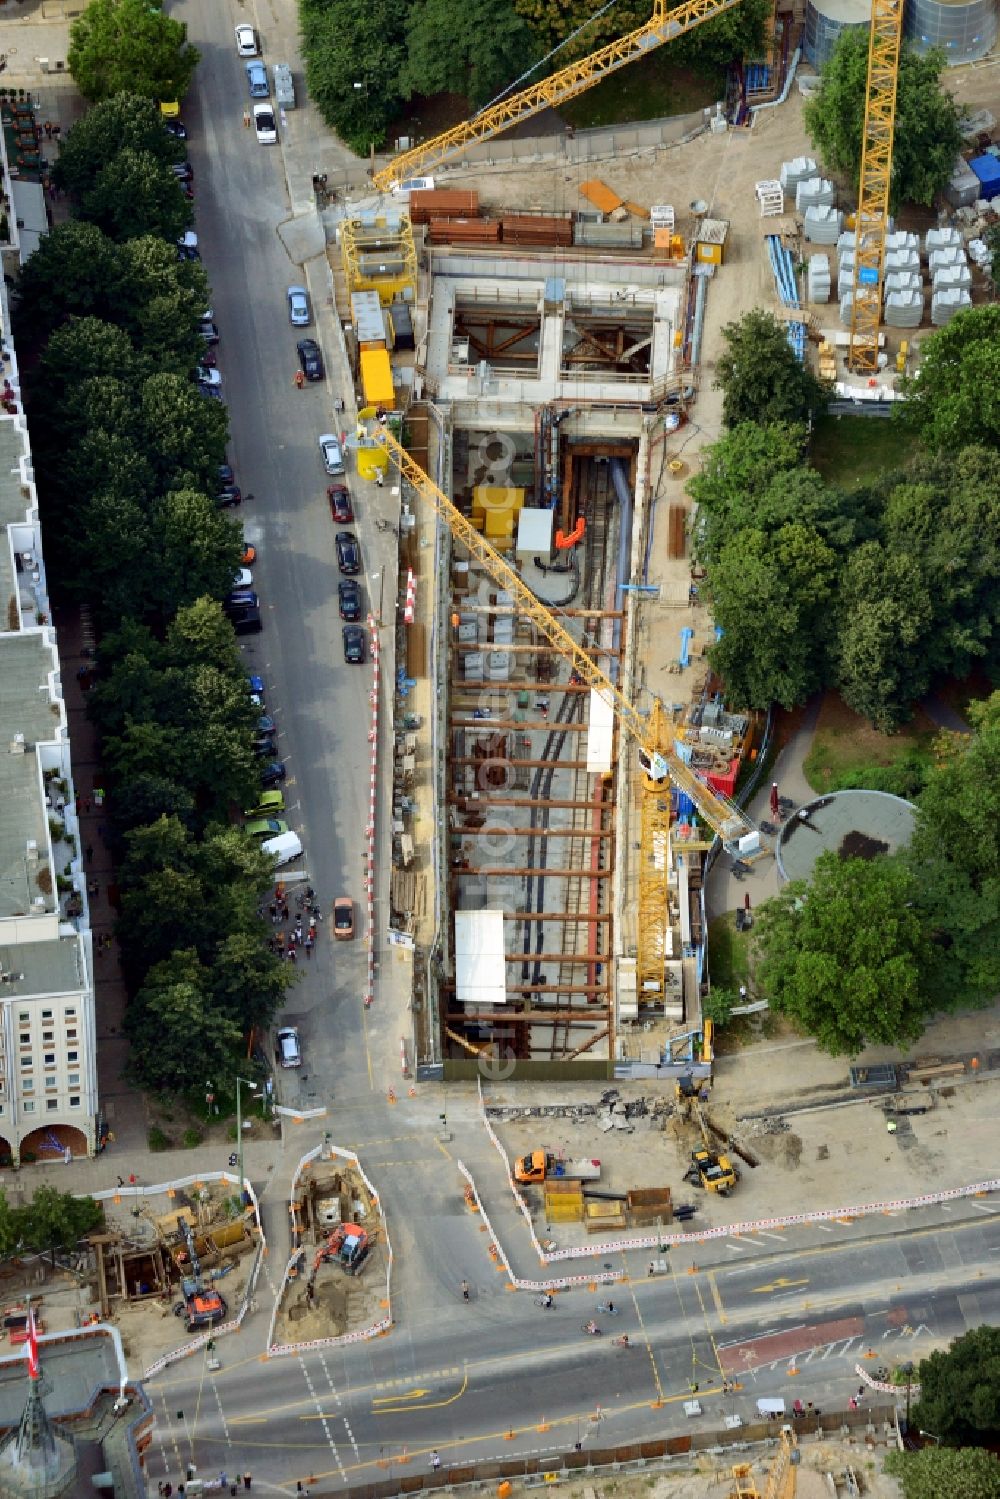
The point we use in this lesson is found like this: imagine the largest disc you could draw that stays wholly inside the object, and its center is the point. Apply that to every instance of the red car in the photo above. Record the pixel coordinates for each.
(340, 503)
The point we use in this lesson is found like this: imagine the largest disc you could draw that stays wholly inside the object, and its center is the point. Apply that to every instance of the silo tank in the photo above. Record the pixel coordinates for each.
(826, 20)
(965, 30)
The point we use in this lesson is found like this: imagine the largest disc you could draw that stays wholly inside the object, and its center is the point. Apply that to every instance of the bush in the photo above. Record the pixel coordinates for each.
(157, 1140)
(192, 1137)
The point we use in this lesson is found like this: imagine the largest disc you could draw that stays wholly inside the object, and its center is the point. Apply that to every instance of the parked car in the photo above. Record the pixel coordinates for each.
(343, 918)
(209, 357)
(283, 849)
(249, 555)
(182, 170)
(287, 1050)
(263, 123)
(246, 40)
(349, 594)
(354, 645)
(256, 687)
(273, 773)
(226, 474)
(265, 827)
(266, 724)
(299, 311)
(176, 128)
(264, 746)
(257, 81)
(340, 503)
(209, 331)
(207, 375)
(247, 621)
(269, 804)
(333, 458)
(243, 578)
(229, 494)
(240, 598)
(348, 554)
(310, 358)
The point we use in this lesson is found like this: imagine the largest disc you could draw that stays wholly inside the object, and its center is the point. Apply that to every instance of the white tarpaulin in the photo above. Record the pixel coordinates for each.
(600, 734)
(480, 970)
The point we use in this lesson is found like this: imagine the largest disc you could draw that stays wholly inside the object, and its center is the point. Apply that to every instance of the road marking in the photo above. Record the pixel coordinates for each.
(736, 1248)
(777, 1285)
(717, 1297)
(323, 1419)
(404, 1395)
(443, 1149)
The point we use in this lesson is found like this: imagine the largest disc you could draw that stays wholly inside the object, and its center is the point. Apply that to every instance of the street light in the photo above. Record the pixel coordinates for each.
(255, 1089)
(363, 88)
(907, 1369)
(931, 1435)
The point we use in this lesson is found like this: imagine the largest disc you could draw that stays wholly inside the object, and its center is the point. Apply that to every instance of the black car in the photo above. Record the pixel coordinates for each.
(354, 645)
(229, 494)
(265, 747)
(176, 128)
(226, 476)
(240, 598)
(350, 600)
(273, 773)
(246, 620)
(182, 170)
(209, 331)
(348, 554)
(310, 358)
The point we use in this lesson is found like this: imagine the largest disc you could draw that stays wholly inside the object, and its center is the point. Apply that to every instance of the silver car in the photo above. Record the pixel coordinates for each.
(299, 311)
(333, 457)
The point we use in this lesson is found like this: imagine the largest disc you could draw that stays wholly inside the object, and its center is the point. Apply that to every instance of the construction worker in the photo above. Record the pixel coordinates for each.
(300, 379)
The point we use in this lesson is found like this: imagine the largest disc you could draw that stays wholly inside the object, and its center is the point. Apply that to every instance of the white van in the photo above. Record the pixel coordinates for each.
(284, 848)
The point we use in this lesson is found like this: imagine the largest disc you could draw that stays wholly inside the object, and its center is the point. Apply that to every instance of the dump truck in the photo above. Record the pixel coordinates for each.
(541, 1166)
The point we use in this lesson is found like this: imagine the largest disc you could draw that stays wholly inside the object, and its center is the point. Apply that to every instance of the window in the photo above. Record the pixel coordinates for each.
(73, 1081)
(47, 1037)
(72, 1056)
(46, 1014)
(24, 1016)
(25, 1038)
(52, 1085)
(71, 1034)
(52, 1103)
(49, 1059)
(25, 1064)
(70, 1010)
(74, 1102)
(28, 1106)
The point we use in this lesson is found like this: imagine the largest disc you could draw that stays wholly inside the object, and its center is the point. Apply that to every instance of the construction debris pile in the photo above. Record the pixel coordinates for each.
(339, 1277)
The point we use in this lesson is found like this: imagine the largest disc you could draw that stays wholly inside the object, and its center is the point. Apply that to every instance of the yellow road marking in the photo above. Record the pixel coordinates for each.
(781, 1284)
(404, 1395)
(716, 1297)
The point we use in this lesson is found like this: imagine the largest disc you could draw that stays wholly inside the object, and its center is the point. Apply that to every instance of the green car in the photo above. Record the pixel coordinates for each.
(269, 804)
(265, 827)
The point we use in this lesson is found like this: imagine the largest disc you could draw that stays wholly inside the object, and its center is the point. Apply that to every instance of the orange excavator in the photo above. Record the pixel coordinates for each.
(348, 1245)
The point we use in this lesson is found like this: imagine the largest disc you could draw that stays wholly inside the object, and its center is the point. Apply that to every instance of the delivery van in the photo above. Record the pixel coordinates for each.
(284, 848)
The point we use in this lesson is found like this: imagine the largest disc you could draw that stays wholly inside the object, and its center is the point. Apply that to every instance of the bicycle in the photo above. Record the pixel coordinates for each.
(546, 1302)
(592, 1329)
(621, 1342)
(610, 1309)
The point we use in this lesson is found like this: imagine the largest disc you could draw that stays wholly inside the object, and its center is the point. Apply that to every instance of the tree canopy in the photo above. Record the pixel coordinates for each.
(760, 377)
(960, 1391)
(125, 122)
(952, 398)
(130, 46)
(927, 137)
(964, 1473)
(843, 954)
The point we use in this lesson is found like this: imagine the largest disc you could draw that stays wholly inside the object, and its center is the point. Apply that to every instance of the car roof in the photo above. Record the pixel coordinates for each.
(296, 291)
(330, 437)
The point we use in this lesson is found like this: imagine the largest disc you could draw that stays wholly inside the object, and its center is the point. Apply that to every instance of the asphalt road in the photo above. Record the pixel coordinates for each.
(502, 1377)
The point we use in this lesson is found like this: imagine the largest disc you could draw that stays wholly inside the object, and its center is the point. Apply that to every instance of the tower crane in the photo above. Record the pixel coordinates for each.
(783, 1475)
(658, 758)
(663, 26)
(876, 181)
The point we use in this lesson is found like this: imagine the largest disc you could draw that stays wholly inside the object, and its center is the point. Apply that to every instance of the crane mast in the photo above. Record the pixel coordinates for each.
(876, 183)
(663, 26)
(658, 759)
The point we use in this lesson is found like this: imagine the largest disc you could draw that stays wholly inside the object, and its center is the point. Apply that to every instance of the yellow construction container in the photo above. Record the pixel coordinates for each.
(376, 377)
(372, 460)
(710, 240)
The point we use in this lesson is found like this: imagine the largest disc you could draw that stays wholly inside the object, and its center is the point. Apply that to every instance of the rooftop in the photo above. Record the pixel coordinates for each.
(42, 968)
(855, 824)
(13, 503)
(26, 709)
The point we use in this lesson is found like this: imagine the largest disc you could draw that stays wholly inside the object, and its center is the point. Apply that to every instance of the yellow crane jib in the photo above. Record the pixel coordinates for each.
(663, 26)
(875, 185)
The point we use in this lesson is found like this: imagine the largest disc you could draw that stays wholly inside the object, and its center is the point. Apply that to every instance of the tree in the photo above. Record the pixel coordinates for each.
(67, 276)
(992, 238)
(347, 43)
(129, 46)
(84, 348)
(740, 466)
(178, 1037)
(491, 47)
(10, 1227)
(760, 377)
(927, 137)
(843, 954)
(952, 400)
(771, 598)
(137, 194)
(57, 1220)
(249, 984)
(183, 433)
(573, 26)
(125, 122)
(884, 620)
(955, 855)
(968, 1473)
(960, 1390)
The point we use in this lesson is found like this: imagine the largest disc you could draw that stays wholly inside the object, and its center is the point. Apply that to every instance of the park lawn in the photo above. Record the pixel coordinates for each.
(849, 450)
(845, 746)
(728, 953)
(646, 90)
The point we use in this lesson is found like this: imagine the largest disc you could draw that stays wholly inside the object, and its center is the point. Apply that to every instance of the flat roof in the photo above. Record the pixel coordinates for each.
(73, 1369)
(480, 964)
(27, 708)
(13, 447)
(32, 969)
(859, 824)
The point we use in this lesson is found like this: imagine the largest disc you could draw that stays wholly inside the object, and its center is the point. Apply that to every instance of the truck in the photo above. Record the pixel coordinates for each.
(284, 86)
(541, 1165)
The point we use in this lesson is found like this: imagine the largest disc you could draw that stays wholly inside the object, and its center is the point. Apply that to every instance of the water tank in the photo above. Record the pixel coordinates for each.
(965, 30)
(826, 20)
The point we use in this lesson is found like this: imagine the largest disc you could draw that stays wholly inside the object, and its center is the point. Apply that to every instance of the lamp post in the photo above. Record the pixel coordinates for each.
(908, 1371)
(363, 88)
(239, 1128)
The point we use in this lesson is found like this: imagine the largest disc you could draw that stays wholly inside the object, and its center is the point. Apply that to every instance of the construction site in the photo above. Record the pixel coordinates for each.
(337, 1283)
(528, 347)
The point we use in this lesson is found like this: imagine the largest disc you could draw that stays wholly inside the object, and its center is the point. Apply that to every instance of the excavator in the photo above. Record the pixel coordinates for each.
(708, 1169)
(201, 1307)
(348, 1245)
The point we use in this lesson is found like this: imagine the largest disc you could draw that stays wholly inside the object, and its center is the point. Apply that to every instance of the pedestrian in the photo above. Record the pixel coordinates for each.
(93, 888)
(280, 942)
(465, 1290)
(132, 1182)
(378, 478)
(298, 1486)
(168, 1489)
(272, 911)
(67, 1156)
(435, 1461)
(309, 948)
(299, 379)
(246, 1480)
(292, 957)
(809, 1407)
(652, 1268)
(48, 130)
(338, 404)
(853, 1403)
(159, 1487)
(224, 1479)
(90, 853)
(121, 1181)
(232, 1490)
(861, 1392)
(246, 119)
(285, 915)
(86, 803)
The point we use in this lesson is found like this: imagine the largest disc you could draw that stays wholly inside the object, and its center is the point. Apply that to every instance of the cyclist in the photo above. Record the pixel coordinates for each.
(547, 1300)
(592, 1328)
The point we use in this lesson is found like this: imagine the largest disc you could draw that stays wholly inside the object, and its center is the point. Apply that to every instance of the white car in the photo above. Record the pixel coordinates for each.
(333, 457)
(289, 1052)
(246, 41)
(209, 377)
(263, 123)
(243, 578)
(299, 314)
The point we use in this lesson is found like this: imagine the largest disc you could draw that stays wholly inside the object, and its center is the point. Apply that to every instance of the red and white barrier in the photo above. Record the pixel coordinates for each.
(410, 609)
(404, 1065)
(372, 803)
